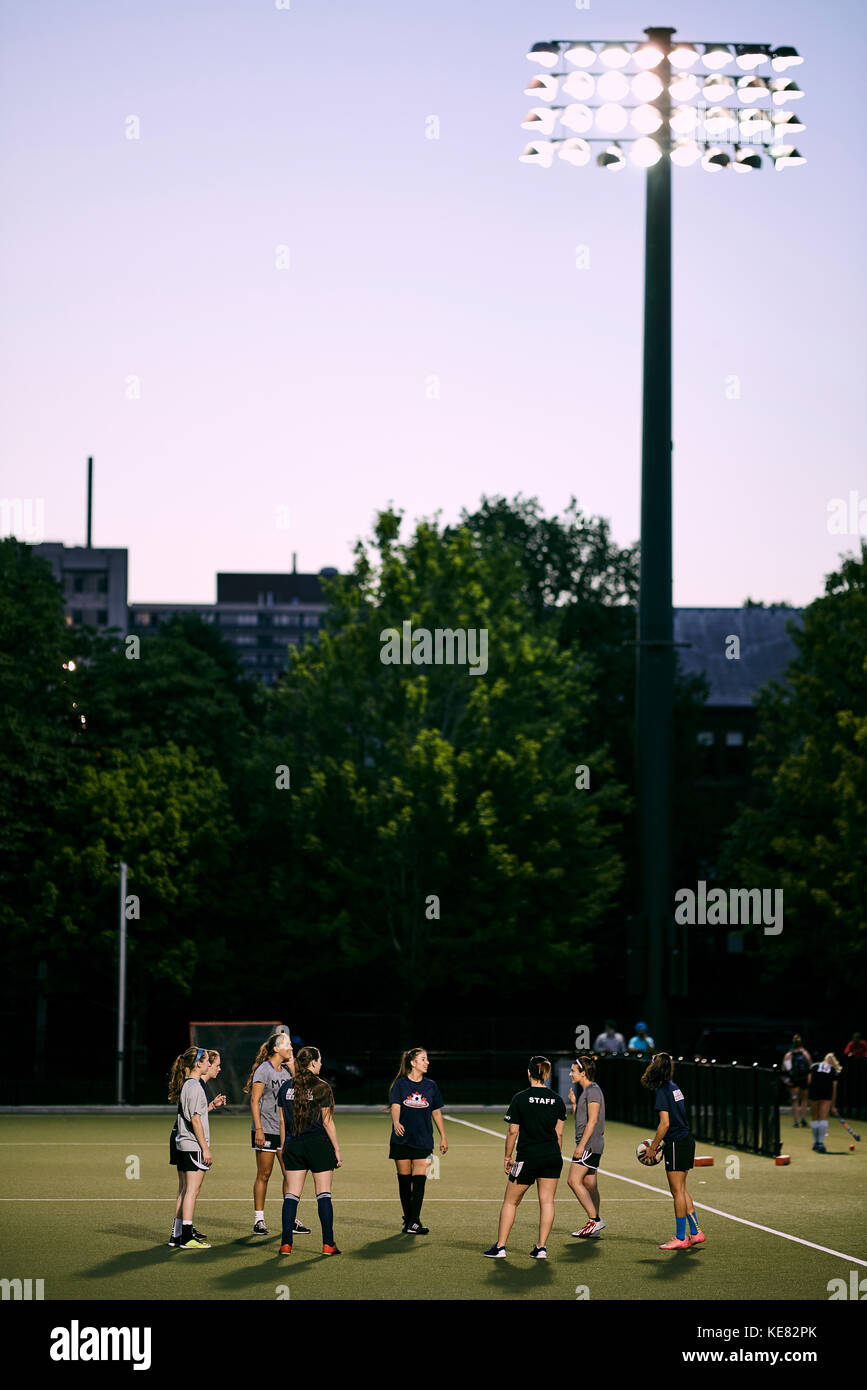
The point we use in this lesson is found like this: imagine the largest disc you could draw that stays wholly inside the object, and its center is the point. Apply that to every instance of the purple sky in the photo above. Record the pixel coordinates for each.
(307, 388)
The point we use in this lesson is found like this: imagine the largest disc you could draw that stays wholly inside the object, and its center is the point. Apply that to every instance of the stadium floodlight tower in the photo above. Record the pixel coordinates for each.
(727, 106)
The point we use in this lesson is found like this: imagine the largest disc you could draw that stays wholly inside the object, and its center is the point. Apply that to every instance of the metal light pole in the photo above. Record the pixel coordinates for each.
(723, 136)
(121, 984)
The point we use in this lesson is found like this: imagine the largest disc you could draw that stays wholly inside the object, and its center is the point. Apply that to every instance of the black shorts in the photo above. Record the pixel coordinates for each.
(173, 1148)
(588, 1160)
(271, 1145)
(407, 1151)
(315, 1152)
(191, 1162)
(679, 1154)
(526, 1170)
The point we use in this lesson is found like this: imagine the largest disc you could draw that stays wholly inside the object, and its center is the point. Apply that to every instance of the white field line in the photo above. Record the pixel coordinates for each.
(568, 1201)
(784, 1235)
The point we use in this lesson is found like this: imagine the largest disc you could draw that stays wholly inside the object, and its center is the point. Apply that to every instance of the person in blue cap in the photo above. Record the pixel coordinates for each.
(640, 1041)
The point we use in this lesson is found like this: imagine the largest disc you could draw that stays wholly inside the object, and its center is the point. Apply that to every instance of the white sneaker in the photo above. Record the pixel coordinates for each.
(598, 1226)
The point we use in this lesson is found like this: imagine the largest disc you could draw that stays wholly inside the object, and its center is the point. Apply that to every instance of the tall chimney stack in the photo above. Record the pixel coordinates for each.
(89, 500)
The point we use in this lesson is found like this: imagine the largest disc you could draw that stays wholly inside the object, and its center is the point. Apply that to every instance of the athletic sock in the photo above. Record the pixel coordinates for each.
(326, 1217)
(290, 1211)
(176, 1227)
(418, 1183)
(823, 1131)
(404, 1187)
(680, 1227)
(693, 1223)
(814, 1125)
(186, 1231)
(259, 1216)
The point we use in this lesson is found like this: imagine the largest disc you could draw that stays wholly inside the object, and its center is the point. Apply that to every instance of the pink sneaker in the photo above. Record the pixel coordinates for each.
(675, 1244)
(697, 1239)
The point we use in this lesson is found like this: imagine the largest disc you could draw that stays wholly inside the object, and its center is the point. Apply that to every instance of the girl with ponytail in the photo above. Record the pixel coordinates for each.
(678, 1145)
(416, 1106)
(309, 1141)
(189, 1149)
(274, 1064)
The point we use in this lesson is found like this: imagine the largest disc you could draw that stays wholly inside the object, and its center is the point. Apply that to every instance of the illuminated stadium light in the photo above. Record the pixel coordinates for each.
(720, 121)
(752, 88)
(786, 157)
(750, 56)
(684, 120)
(645, 153)
(646, 119)
(785, 90)
(746, 160)
(578, 118)
(538, 152)
(541, 120)
(683, 56)
(715, 159)
(716, 56)
(715, 89)
(684, 87)
(789, 121)
(612, 157)
(579, 85)
(754, 121)
(613, 86)
(783, 58)
(614, 55)
(647, 55)
(580, 55)
(612, 118)
(545, 54)
(685, 152)
(574, 151)
(542, 87)
(646, 86)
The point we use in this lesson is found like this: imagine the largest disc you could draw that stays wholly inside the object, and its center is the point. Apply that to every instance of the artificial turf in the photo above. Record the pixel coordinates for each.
(113, 1244)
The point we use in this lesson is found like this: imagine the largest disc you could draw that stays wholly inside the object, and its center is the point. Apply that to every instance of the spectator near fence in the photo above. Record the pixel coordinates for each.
(856, 1050)
(641, 1040)
(610, 1042)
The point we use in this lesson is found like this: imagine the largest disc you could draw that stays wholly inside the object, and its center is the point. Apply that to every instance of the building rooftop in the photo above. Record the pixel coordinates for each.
(765, 649)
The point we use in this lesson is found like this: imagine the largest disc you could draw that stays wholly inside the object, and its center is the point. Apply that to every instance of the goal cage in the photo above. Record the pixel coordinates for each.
(237, 1044)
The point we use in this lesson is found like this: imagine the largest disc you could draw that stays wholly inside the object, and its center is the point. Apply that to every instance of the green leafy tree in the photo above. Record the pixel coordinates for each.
(806, 829)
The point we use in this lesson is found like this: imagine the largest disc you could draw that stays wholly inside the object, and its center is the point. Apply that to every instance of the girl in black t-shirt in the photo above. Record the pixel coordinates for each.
(535, 1117)
(416, 1106)
(308, 1138)
(673, 1135)
(823, 1098)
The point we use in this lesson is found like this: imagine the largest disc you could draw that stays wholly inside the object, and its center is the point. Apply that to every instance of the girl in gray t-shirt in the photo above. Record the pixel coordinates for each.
(589, 1106)
(274, 1064)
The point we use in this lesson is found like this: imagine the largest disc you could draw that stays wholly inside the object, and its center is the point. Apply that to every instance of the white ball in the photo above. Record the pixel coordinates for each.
(641, 1154)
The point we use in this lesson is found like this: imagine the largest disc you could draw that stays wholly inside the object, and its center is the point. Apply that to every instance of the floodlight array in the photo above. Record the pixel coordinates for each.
(719, 107)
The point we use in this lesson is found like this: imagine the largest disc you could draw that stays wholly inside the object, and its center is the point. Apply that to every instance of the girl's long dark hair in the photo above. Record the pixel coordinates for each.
(660, 1070)
(588, 1064)
(308, 1089)
(183, 1063)
(406, 1060)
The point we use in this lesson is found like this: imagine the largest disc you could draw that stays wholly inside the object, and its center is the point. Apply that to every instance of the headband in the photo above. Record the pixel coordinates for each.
(199, 1055)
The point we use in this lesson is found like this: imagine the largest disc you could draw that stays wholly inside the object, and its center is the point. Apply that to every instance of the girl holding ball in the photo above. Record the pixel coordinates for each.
(678, 1146)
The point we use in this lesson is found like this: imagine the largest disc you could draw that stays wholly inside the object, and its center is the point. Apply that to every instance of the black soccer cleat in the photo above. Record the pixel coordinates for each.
(300, 1229)
(260, 1229)
(417, 1229)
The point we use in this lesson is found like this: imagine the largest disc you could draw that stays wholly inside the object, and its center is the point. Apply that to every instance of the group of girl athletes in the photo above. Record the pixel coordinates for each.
(292, 1112)
(814, 1084)
(536, 1117)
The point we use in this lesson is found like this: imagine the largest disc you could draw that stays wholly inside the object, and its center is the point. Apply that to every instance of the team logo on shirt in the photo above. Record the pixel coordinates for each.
(416, 1101)
(677, 1094)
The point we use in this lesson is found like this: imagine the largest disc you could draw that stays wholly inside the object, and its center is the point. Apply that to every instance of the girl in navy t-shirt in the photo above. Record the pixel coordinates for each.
(673, 1134)
(416, 1106)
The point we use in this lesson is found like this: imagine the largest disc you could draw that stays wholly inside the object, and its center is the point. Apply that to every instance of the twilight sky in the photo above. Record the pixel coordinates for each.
(416, 266)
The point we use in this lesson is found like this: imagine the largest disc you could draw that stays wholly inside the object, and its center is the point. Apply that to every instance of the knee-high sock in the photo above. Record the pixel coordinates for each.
(290, 1211)
(823, 1131)
(404, 1187)
(418, 1183)
(814, 1125)
(326, 1217)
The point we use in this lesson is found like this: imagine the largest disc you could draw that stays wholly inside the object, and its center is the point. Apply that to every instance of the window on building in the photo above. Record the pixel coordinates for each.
(735, 753)
(311, 619)
(247, 619)
(78, 583)
(77, 617)
(143, 619)
(102, 617)
(102, 583)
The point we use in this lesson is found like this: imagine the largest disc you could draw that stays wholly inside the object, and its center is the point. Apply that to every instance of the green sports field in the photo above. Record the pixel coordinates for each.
(71, 1216)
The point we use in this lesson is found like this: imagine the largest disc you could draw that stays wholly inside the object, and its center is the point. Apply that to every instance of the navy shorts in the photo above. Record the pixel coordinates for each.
(679, 1154)
(588, 1160)
(191, 1162)
(312, 1152)
(407, 1151)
